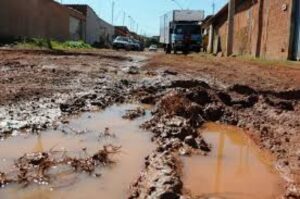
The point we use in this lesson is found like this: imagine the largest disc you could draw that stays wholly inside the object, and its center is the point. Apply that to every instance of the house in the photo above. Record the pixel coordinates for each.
(121, 31)
(260, 28)
(39, 19)
(77, 24)
(97, 31)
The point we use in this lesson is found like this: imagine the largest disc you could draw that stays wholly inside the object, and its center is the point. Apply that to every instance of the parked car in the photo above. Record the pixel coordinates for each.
(153, 48)
(122, 43)
(142, 46)
(133, 45)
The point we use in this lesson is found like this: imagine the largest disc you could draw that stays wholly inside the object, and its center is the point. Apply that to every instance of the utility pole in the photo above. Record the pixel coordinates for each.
(124, 14)
(213, 7)
(133, 24)
(112, 12)
(130, 22)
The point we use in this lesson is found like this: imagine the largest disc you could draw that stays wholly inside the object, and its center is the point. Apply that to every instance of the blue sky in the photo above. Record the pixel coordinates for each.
(145, 13)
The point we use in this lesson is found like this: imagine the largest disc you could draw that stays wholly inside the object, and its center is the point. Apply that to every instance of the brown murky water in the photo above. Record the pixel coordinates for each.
(114, 181)
(235, 169)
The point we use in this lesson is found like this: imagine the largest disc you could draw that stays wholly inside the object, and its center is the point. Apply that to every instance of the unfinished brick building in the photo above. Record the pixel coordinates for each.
(261, 28)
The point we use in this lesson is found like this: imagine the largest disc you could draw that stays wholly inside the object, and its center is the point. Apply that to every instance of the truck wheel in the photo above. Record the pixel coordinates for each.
(185, 52)
(168, 49)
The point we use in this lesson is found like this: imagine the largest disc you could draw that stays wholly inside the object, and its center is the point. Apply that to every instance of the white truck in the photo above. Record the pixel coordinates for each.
(180, 30)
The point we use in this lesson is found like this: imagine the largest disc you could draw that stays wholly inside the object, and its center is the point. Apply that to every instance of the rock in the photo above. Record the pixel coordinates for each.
(176, 121)
(225, 98)
(190, 140)
(203, 145)
(148, 99)
(133, 114)
(200, 97)
(169, 195)
(213, 112)
(65, 107)
(133, 70)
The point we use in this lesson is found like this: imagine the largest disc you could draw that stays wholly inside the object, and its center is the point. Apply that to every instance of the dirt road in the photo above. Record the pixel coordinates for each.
(40, 88)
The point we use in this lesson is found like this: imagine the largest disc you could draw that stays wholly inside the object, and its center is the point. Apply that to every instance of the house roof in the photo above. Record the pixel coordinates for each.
(222, 11)
(79, 7)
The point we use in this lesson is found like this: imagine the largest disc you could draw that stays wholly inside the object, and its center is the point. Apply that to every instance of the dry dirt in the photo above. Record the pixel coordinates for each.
(259, 74)
(38, 88)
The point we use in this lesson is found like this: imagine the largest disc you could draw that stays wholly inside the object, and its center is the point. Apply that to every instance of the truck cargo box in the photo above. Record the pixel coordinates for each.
(188, 15)
(177, 16)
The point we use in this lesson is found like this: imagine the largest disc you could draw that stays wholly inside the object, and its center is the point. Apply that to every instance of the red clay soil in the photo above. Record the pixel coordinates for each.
(255, 73)
(36, 73)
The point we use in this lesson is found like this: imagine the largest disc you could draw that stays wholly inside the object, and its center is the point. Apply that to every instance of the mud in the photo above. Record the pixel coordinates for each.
(235, 168)
(182, 102)
(186, 106)
(74, 142)
(35, 167)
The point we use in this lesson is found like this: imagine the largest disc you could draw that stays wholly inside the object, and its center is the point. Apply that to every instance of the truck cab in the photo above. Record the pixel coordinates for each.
(180, 31)
(185, 37)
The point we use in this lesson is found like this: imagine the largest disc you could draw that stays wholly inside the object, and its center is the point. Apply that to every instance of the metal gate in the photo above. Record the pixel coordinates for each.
(296, 53)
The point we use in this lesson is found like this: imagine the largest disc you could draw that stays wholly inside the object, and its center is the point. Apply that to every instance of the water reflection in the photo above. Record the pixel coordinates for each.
(234, 169)
(114, 180)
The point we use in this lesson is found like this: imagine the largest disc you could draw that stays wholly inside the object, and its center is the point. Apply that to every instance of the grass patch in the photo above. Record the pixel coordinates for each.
(55, 45)
(270, 62)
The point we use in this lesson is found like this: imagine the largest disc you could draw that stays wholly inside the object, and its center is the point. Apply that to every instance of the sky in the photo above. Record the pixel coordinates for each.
(144, 15)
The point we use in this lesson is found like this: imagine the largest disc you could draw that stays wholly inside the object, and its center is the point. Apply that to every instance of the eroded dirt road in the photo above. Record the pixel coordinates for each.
(40, 90)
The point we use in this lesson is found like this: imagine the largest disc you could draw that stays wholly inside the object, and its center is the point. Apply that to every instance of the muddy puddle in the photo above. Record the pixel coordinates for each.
(89, 131)
(235, 169)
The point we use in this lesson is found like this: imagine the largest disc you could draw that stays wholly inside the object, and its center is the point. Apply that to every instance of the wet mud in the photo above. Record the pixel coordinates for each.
(180, 105)
(65, 162)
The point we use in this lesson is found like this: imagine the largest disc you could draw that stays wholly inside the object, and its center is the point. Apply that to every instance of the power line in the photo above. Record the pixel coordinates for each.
(112, 12)
(178, 4)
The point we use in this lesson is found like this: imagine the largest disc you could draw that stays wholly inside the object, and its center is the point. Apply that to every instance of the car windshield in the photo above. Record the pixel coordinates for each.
(122, 39)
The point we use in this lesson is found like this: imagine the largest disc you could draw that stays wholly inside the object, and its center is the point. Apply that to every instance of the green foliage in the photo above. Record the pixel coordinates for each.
(53, 44)
(70, 45)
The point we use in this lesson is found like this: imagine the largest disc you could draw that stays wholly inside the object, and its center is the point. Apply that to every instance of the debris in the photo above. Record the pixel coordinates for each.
(33, 168)
(133, 70)
(135, 113)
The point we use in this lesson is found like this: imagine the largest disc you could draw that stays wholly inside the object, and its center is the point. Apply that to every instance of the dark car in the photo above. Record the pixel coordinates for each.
(121, 43)
(140, 45)
(133, 45)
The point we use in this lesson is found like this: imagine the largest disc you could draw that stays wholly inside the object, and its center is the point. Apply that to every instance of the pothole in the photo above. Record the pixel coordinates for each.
(235, 168)
(82, 135)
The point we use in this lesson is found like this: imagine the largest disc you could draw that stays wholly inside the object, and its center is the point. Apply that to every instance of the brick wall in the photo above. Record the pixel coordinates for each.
(220, 33)
(261, 27)
(243, 29)
(275, 41)
(33, 18)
